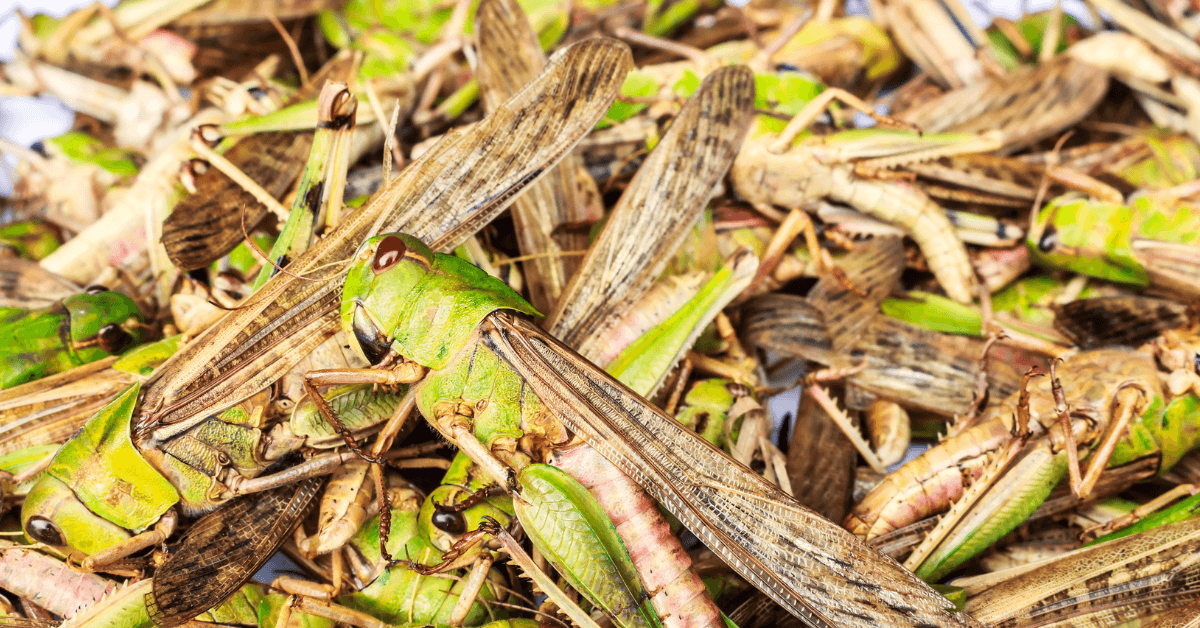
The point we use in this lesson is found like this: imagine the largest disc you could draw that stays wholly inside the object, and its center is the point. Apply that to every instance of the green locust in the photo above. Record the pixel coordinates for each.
(1149, 242)
(423, 316)
(1115, 402)
(75, 331)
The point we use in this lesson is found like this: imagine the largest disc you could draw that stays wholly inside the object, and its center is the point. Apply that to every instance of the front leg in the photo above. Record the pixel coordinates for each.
(403, 372)
(453, 419)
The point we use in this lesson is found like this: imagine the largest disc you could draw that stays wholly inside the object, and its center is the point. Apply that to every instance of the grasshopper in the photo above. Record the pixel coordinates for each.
(1120, 405)
(533, 375)
(78, 330)
(1149, 242)
(781, 171)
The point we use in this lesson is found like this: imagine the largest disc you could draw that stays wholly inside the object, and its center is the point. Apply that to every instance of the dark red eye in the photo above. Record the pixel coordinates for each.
(113, 339)
(389, 253)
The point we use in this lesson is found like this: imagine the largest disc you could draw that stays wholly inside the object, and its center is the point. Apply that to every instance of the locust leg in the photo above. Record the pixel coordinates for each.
(821, 396)
(454, 420)
(321, 608)
(405, 372)
(1139, 513)
(1130, 401)
(154, 536)
(816, 106)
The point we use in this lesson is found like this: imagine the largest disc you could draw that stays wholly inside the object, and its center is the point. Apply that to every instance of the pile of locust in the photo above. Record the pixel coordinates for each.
(474, 312)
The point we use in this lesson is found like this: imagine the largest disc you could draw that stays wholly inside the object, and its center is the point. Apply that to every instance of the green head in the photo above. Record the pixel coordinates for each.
(53, 515)
(400, 295)
(98, 489)
(103, 323)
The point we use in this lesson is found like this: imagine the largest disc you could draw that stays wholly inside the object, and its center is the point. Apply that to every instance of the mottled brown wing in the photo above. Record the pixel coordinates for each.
(818, 571)
(873, 268)
(1027, 104)
(509, 57)
(208, 224)
(658, 209)
(1130, 321)
(222, 550)
(454, 189)
(915, 367)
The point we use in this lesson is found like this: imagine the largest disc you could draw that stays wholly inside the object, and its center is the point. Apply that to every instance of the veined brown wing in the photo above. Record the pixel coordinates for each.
(208, 224)
(448, 194)
(222, 550)
(812, 567)
(658, 209)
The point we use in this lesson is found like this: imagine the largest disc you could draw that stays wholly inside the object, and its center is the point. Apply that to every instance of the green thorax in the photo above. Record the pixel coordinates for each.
(428, 304)
(108, 474)
(1180, 430)
(505, 408)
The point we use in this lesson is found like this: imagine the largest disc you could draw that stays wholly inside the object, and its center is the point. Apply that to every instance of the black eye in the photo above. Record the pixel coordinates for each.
(113, 339)
(390, 252)
(448, 521)
(1049, 239)
(95, 289)
(375, 345)
(43, 530)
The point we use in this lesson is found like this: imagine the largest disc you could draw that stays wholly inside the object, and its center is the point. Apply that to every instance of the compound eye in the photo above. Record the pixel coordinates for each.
(389, 253)
(1049, 239)
(448, 521)
(113, 339)
(45, 531)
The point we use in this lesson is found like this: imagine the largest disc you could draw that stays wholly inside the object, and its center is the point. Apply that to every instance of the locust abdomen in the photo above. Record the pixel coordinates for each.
(678, 594)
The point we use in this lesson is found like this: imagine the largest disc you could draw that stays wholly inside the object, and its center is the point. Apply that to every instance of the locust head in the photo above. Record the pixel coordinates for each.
(386, 270)
(98, 489)
(103, 323)
(52, 514)
(401, 297)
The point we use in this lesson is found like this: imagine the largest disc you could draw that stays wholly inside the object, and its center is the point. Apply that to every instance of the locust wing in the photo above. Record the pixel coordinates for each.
(1104, 321)
(449, 193)
(809, 565)
(222, 550)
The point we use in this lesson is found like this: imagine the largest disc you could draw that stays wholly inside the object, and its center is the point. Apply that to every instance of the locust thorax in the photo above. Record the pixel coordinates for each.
(400, 298)
(53, 515)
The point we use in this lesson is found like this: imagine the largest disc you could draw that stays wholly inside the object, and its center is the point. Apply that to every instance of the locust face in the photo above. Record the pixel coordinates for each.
(400, 296)
(103, 322)
(386, 270)
(53, 515)
(98, 490)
